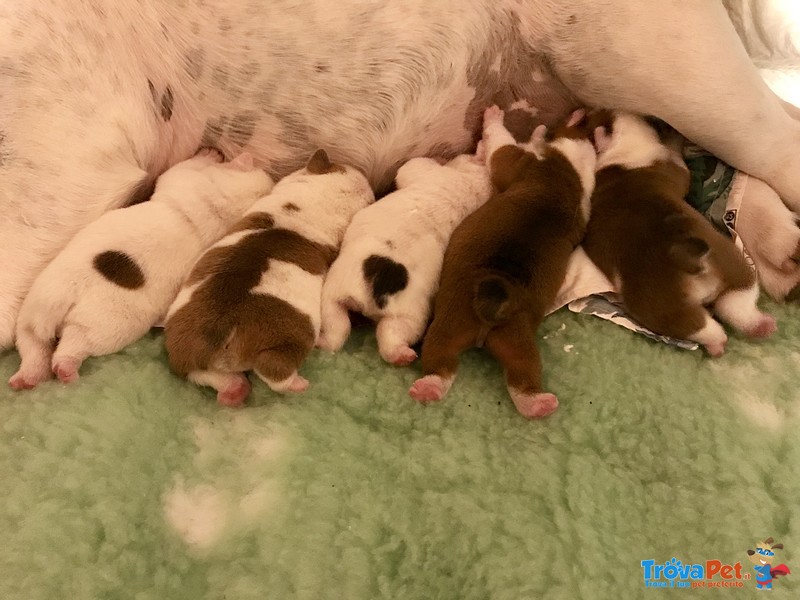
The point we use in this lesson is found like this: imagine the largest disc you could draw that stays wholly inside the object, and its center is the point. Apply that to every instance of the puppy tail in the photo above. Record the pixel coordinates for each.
(495, 299)
(688, 249)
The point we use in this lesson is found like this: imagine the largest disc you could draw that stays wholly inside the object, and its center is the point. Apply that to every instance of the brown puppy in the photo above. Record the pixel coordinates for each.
(668, 262)
(506, 262)
(252, 301)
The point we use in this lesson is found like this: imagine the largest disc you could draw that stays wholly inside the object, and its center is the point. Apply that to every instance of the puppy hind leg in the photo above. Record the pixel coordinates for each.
(514, 347)
(277, 367)
(443, 343)
(738, 308)
(710, 334)
(35, 355)
(74, 346)
(335, 326)
(232, 388)
(396, 334)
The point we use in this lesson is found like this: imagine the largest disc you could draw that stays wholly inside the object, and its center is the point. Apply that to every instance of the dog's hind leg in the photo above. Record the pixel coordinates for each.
(443, 344)
(35, 364)
(277, 367)
(514, 346)
(232, 388)
(697, 77)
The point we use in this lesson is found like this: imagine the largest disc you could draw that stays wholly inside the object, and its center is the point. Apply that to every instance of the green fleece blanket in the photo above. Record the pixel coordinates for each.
(133, 484)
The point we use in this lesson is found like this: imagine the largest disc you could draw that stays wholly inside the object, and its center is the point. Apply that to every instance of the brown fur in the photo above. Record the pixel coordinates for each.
(226, 327)
(641, 229)
(320, 164)
(504, 266)
(119, 268)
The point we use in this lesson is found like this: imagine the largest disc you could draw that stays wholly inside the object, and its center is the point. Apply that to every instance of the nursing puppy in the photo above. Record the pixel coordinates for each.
(507, 260)
(391, 257)
(668, 262)
(118, 276)
(253, 300)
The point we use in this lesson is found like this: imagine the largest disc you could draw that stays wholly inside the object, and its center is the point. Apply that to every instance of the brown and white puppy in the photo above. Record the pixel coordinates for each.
(253, 300)
(668, 262)
(506, 262)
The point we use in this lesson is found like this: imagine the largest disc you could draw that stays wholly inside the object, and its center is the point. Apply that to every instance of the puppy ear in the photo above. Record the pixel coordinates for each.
(777, 546)
(243, 162)
(319, 163)
(751, 552)
(602, 139)
(539, 135)
(688, 254)
(576, 117)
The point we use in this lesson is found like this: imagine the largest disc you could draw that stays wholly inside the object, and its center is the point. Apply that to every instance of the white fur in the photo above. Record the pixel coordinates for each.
(295, 286)
(411, 226)
(633, 144)
(81, 126)
(192, 206)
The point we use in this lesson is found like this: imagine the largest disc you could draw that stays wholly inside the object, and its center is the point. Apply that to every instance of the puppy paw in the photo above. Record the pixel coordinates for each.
(26, 381)
(430, 388)
(66, 369)
(764, 327)
(492, 115)
(534, 406)
(297, 384)
(234, 393)
(716, 349)
(480, 153)
(401, 356)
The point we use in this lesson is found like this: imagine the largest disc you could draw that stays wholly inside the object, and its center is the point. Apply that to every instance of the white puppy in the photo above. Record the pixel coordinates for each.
(118, 276)
(391, 257)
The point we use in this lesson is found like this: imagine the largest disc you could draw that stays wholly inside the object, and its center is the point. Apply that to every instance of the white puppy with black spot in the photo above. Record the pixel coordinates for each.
(391, 258)
(118, 276)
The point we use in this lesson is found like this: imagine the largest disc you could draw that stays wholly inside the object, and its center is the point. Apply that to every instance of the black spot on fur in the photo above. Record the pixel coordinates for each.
(142, 192)
(3, 151)
(390, 244)
(572, 19)
(212, 132)
(152, 89)
(167, 103)
(119, 268)
(195, 61)
(291, 207)
(242, 128)
(386, 277)
(321, 68)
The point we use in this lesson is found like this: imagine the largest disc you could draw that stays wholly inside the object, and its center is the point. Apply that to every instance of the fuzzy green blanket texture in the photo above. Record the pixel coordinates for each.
(133, 484)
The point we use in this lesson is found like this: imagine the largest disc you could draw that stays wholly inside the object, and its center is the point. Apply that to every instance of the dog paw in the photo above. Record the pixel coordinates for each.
(534, 406)
(234, 393)
(716, 349)
(401, 356)
(66, 369)
(764, 327)
(26, 381)
(297, 385)
(430, 388)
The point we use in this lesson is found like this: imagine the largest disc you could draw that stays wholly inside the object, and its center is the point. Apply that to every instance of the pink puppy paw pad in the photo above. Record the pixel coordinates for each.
(19, 382)
(66, 370)
(402, 356)
(535, 406)
(765, 327)
(234, 394)
(427, 389)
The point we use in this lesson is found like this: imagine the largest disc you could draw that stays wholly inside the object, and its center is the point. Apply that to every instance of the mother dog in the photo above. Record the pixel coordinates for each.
(98, 97)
